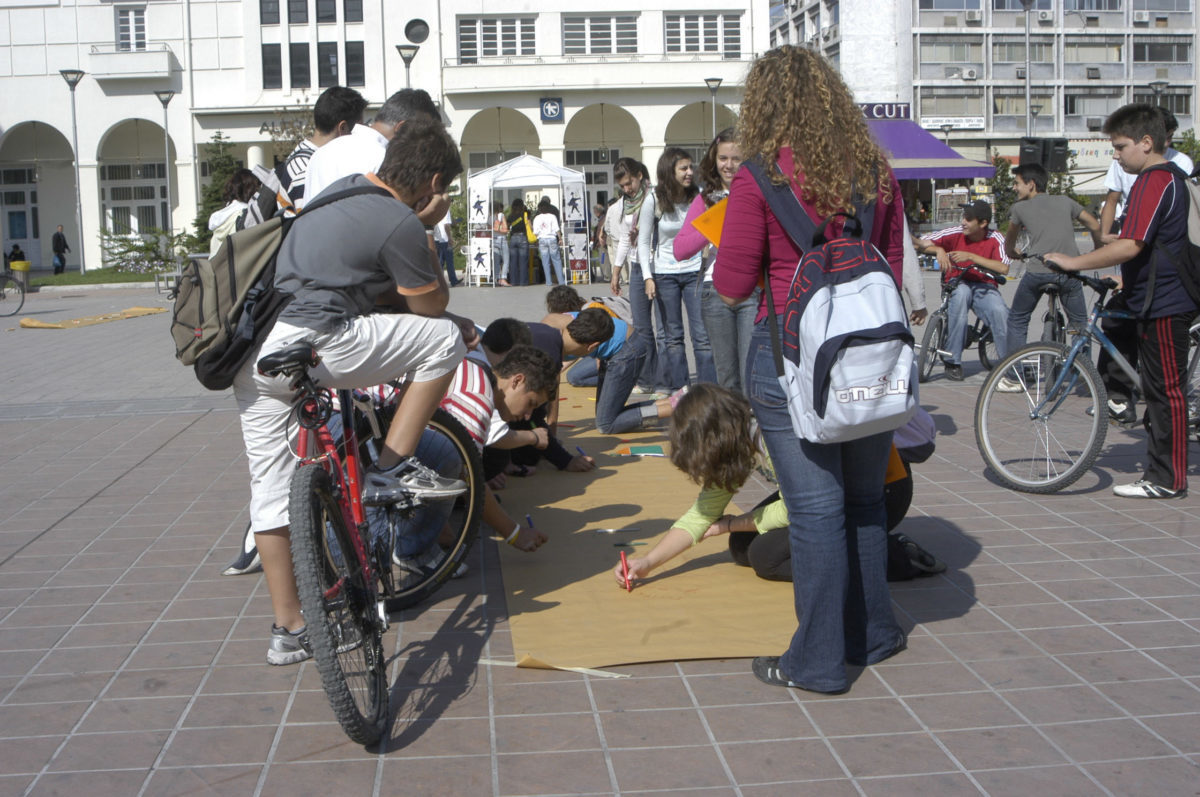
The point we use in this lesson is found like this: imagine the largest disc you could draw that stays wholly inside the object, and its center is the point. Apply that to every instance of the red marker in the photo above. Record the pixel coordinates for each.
(625, 572)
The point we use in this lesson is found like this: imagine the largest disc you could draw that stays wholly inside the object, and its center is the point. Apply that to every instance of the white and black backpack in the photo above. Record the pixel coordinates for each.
(845, 357)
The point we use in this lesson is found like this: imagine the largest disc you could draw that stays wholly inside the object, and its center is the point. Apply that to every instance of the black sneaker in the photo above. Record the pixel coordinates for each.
(248, 560)
(921, 560)
(1122, 412)
(766, 669)
(954, 372)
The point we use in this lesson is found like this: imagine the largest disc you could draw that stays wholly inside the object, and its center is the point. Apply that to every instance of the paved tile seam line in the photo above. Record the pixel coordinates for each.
(96, 494)
(609, 766)
(708, 732)
(1039, 728)
(174, 732)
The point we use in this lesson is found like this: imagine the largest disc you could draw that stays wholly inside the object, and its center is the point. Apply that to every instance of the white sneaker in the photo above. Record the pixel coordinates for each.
(1009, 386)
(426, 562)
(1147, 489)
(408, 478)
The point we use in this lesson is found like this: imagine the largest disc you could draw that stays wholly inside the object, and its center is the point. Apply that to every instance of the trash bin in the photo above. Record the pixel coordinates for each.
(20, 272)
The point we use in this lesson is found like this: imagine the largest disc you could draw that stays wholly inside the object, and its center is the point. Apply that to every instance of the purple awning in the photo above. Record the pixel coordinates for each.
(915, 154)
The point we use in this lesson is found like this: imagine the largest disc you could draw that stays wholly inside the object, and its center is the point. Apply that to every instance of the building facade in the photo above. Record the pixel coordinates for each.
(960, 64)
(574, 85)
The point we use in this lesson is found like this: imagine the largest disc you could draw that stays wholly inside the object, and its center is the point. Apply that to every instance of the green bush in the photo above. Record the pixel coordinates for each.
(144, 253)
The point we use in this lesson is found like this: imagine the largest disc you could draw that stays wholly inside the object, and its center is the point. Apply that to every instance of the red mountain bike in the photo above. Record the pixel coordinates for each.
(348, 572)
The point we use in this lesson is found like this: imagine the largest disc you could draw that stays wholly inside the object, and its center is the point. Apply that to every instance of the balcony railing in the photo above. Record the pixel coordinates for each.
(109, 62)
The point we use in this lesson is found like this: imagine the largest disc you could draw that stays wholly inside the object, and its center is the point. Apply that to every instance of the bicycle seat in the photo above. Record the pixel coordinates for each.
(1048, 288)
(291, 360)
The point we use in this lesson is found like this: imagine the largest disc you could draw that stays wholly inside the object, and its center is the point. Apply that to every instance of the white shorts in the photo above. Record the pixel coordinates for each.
(368, 351)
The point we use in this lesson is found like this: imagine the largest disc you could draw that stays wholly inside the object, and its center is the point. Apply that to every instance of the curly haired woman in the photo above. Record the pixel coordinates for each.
(801, 124)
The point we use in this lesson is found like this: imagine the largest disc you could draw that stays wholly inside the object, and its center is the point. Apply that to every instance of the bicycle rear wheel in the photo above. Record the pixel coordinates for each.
(12, 296)
(339, 607)
(1042, 438)
(1192, 380)
(934, 339)
(989, 355)
(424, 546)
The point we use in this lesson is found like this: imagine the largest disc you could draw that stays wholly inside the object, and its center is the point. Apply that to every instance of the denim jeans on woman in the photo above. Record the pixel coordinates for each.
(647, 325)
(729, 329)
(675, 293)
(551, 256)
(499, 258)
(518, 261)
(834, 496)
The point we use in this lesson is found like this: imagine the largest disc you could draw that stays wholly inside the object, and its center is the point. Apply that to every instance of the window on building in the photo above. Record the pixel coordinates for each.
(833, 12)
(268, 12)
(297, 12)
(130, 197)
(356, 69)
(948, 5)
(131, 28)
(599, 35)
(1085, 101)
(272, 67)
(1165, 51)
(1015, 5)
(1093, 52)
(1178, 104)
(951, 101)
(352, 10)
(327, 64)
(949, 50)
(298, 57)
(1162, 5)
(1010, 101)
(1040, 52)
(705, 33)
(478, 161)
(1092, 5)
(326, 10)
(489, 37)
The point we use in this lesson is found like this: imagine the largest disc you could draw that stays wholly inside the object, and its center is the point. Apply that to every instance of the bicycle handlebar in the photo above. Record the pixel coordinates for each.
(999, 278)
(1101, 285)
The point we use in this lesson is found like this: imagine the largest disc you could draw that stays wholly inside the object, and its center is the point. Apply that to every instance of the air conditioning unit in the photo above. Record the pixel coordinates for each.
(829, 33)
(1141, 17)
(1020, 73)
(970, 74)
(1046, 16)
(1093, 73)
(974, 15)
(1094, 123)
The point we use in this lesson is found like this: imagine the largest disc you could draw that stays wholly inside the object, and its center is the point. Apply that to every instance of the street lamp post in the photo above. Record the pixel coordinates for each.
(407, 53)
(1158, 87)
(1028, 5)
(1035, 110)
(946, 128)
(73, 76)
(713, 84)
(165, 98)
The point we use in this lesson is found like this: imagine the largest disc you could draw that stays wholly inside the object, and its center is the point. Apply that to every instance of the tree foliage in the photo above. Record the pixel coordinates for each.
(1188, 145)
(1064, 183)
(221, 166)
(144, 253)
(1004, 192)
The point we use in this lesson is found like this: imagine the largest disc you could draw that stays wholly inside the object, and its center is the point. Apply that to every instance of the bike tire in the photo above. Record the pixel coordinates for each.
(448, 442)
(12, 296)
(1054, 326)
(988, 353)
(1192, 381)
(933, 340)
(1047, 453)
(339, 607)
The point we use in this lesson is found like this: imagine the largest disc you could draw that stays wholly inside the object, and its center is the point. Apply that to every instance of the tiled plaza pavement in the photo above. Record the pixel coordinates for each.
(1059, 654)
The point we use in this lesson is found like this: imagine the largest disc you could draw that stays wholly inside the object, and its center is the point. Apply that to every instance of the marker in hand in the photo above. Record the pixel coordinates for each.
(582, 453)
(625, 573)
(528, 521)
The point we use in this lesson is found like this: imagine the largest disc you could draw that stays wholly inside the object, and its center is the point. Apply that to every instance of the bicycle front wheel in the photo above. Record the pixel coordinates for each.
(989, 355)
(1047, 434)
(339, 607)
(934, 339)
(428, 544)
(12, 296)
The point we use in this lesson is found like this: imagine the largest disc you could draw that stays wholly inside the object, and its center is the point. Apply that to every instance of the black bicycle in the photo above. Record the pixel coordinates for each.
(12, 293)
(933, 344)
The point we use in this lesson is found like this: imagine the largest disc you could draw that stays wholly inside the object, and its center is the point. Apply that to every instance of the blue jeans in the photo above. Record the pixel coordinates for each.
(499, 258)
(1026, 299)
(729, 330)
(446, 258)
(834, 496)
(620, 375)
(676, 292)
(988, 304)
(551, 256)
(518, 261)
(646, 325)
(585, 373)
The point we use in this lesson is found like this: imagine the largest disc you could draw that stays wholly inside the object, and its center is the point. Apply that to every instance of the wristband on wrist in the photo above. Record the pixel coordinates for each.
(511, 538)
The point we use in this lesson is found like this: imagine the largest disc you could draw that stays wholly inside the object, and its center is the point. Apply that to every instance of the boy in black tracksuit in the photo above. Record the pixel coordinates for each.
(1153, 239)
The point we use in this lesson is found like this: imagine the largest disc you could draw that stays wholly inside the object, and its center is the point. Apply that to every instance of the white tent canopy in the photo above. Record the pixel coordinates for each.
(527, 171)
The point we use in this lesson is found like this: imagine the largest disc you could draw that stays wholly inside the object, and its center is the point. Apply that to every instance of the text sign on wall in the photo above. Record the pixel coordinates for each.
(886, 110)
